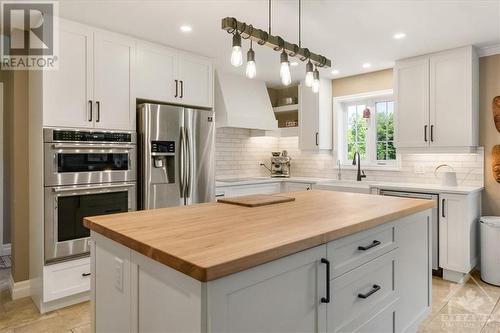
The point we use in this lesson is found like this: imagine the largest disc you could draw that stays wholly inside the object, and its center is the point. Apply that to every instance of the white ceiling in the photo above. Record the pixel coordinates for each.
(350, 33)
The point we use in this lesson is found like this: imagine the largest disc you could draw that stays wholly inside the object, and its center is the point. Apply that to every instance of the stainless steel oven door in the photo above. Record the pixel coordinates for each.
(89, 163)
(65, 208)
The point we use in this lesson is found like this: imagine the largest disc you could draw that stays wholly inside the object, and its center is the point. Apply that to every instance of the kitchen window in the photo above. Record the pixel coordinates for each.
(366, 124)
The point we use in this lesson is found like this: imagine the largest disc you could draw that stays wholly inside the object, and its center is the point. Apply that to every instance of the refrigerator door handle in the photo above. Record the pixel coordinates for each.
(188, 164)
(182, 166)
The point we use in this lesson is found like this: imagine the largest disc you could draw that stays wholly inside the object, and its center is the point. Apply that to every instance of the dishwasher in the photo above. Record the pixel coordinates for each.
(434, 223)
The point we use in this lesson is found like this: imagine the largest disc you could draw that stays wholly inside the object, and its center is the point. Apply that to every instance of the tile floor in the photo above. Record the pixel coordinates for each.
(472, 307)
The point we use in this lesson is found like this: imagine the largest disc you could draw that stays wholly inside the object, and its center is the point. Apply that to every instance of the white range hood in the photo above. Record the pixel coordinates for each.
(242, 103)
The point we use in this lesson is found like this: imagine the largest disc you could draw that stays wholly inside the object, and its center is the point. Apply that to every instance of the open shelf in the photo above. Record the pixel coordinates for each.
(289, 131)
(286, 108)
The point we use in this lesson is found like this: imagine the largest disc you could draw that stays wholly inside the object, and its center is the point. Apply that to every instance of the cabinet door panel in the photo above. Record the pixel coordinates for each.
(411, 82)
(280, 296)
(452, 239)
(155, 73)
(113, 84)
(196, 80)
(450, 99)
(68, 90)
(308, 119)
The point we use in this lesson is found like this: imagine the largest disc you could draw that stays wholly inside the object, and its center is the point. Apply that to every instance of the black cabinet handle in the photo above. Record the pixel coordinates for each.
(373, 244)
(98, 119)
(442, 208)
(425, 133)
(327, 298)
(85, 274)
(317, 143)
(182, 89)
(176, 88)
(90, 103)
(371, 292)
(432, 133)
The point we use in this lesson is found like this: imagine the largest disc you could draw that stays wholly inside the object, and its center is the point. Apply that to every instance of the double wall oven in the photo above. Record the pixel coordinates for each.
(85, 174)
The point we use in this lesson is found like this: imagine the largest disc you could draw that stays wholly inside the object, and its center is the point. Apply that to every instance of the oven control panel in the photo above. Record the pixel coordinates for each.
(163, 146)
(91, 136)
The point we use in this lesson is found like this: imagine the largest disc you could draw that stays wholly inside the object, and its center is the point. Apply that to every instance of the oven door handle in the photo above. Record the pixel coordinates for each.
(91, 146)
(95, 189)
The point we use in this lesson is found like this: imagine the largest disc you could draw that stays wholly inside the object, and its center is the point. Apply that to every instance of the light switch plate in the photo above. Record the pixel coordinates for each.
(118, 274)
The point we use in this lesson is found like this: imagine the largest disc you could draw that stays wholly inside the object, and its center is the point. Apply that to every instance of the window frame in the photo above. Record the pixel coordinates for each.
(341, 105)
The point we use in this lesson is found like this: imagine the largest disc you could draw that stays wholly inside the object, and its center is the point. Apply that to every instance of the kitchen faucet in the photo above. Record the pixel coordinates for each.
(361, 174)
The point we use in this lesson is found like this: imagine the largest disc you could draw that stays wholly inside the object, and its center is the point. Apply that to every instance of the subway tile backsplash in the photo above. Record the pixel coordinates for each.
(238, 154)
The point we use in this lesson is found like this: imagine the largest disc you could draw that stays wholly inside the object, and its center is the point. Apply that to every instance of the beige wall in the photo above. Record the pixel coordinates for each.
(7, 78)
(362, 83)
(489, 87)
(16, 204)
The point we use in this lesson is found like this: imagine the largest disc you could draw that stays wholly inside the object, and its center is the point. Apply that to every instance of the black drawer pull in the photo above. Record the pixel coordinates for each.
(371, 292)
(327, 298)
(364, 248)
(85, 274)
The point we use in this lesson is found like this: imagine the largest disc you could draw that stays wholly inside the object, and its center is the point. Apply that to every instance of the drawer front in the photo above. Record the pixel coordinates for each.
(236, 191)
(361, 291)
(353, 251)
(65, 279)
(380, 321)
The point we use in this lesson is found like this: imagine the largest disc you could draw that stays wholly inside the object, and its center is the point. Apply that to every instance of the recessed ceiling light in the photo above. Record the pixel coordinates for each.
(186, 28)
(367, 65)
(399, 35)
(294, 63)
(335, 71)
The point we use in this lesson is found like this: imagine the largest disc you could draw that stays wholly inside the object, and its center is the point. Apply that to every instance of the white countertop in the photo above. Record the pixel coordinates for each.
(325, 182)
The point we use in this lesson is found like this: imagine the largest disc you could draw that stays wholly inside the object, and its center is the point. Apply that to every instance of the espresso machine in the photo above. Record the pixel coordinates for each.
(280, 164)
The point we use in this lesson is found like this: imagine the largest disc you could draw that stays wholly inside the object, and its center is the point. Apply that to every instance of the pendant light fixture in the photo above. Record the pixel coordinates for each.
(241, 30)
(286, 77)
(315, 85)
(251, 70)
(236, 56)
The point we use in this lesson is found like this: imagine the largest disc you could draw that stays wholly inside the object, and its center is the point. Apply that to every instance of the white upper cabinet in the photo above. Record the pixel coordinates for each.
(68, 91)
(195, 79)
(113, 90)
(155, 72)
(172, 76)
(93, 87)
(315, 117)
(411, 82)
(453, 96)
(437, 101)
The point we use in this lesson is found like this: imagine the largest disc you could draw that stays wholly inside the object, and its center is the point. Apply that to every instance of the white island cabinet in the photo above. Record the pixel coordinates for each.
(374, 280)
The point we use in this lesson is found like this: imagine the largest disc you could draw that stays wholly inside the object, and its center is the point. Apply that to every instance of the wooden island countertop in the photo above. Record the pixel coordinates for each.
(212, 240)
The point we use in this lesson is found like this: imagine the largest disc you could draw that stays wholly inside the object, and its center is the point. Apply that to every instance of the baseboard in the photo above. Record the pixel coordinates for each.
(6, 248)
(19, 289)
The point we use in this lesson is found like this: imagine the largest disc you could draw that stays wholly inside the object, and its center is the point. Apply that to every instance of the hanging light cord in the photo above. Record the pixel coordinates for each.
(269, 17)
(300, 42)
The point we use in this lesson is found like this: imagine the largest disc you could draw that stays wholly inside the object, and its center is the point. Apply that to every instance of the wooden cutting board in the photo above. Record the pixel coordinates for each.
(495, 108)
(256, 200)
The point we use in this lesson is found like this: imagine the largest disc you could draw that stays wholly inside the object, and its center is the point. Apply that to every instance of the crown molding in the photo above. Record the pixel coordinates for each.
(489, 50)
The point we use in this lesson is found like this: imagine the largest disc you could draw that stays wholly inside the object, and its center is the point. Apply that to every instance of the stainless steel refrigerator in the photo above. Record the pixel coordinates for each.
(177, 156)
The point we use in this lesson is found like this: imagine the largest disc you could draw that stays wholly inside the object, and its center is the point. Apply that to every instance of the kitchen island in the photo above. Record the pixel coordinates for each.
(328, 261)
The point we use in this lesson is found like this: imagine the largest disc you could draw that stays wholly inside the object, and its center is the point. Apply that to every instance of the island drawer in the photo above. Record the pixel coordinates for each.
(362, 291)
(353, 251)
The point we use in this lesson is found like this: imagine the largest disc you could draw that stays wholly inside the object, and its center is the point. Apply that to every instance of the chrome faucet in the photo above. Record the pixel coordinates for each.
(361, 174)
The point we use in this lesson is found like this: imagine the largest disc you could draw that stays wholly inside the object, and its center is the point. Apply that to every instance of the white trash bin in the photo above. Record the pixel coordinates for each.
(490, 249)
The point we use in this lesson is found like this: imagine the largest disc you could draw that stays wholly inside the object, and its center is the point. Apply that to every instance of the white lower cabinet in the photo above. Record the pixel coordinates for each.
(295, 187)
(240, 190)
(66, 279)
(387, 289)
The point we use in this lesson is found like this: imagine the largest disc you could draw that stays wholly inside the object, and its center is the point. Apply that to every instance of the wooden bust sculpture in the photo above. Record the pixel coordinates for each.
(495, 163)
(496, 112)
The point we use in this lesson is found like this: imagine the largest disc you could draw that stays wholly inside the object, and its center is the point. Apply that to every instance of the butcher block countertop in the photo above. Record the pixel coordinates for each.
(212, 240)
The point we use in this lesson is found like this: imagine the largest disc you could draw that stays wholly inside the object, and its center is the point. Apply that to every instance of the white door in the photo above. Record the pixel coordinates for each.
(411, 88)
(67, 92)
(281, 296)
(155, 70)
(452, 238)
(195, 76)
(114, 62)
(308, 119)
(450, 99)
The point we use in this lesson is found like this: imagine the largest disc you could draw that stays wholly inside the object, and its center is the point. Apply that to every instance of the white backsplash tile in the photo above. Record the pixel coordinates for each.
(238, 154)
